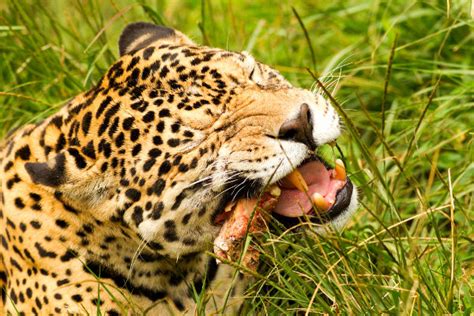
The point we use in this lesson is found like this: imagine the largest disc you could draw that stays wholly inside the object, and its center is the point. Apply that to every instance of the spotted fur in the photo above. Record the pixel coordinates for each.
(110, 202)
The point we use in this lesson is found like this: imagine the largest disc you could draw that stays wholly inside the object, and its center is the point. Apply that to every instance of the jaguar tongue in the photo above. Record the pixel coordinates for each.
(322, 186)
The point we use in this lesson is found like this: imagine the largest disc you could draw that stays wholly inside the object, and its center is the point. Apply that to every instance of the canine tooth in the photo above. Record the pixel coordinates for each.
(320, 202)
(296, 178)
(230, 207)
(340, 170)
(275, 191)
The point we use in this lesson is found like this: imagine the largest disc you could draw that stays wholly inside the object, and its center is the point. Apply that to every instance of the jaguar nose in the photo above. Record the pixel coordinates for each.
(299, 129)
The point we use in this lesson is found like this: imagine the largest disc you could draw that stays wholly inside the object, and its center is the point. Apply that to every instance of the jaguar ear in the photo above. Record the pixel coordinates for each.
(51, 173)
(74, 175)
(141, 34)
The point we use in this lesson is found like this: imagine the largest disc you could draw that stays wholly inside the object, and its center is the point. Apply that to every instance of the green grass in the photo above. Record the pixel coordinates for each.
(402, 73)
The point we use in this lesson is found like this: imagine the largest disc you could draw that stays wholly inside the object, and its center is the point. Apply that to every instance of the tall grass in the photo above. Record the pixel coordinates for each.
(401, 74)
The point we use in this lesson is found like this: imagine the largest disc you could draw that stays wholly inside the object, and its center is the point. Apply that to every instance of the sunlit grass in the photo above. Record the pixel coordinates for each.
(401, 74)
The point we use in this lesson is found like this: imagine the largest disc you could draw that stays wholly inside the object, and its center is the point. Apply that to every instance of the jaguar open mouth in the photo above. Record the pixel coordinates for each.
(313, 191)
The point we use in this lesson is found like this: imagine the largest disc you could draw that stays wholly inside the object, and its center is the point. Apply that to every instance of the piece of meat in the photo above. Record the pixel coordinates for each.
(236, 217)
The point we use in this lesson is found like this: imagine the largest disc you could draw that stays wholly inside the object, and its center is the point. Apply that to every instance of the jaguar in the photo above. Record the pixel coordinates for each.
(110, 204)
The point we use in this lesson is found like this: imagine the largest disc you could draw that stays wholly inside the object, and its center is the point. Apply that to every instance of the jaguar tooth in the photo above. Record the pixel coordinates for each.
(296, 178)
(230, 207)
(320, 202)
(340, 170)
(275, 191)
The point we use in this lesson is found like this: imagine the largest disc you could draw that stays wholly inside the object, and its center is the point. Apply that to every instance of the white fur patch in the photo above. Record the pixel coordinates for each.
(147, 229)
(136, 43)
(325, 121)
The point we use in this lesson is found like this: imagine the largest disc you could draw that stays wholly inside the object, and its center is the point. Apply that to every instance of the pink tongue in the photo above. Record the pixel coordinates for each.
(293, 203)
